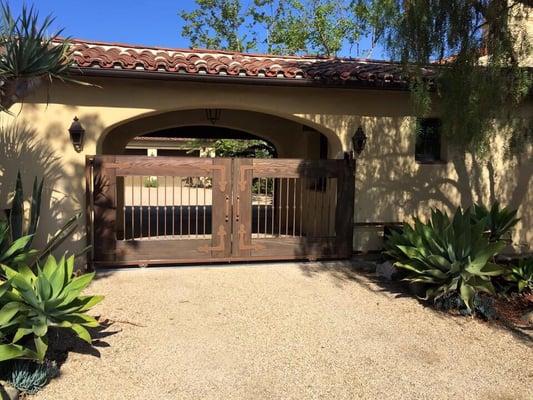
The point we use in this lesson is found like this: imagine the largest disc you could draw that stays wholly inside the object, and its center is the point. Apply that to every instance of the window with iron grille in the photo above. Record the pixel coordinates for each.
(428, 148)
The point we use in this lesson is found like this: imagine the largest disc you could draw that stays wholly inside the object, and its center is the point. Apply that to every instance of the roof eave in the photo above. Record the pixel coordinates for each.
(240, 80)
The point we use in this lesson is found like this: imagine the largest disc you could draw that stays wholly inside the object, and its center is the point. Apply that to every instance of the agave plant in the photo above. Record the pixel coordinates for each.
(36, 302)
(498, 221)
(29, 57)
(446, 255)
(520, 274)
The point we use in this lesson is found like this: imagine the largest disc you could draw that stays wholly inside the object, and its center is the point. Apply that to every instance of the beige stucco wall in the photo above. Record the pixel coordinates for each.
(390, 185)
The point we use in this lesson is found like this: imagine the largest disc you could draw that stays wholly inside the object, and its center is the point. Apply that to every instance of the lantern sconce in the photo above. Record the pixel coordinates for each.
(358, 141)
(77, 134)
(213, 114)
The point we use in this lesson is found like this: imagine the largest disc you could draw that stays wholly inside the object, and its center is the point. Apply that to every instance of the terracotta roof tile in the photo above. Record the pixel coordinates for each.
(332, 71)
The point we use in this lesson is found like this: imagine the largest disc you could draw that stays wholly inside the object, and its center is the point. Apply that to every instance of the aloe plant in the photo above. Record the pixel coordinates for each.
(498, 221)
(520, 274)
(16, 212)
(34, 302)
(30, 57)
(447, 255)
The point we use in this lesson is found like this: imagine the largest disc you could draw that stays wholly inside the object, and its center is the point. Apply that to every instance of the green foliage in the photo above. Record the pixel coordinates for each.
(498, 221)
(324, 27)
(14, 252)
(16, 236)
(30, 56)
(243, 148)
(30, 376)
(31, 303)
(481, 46)
(446, 255)
(16, 212)
(520, 275)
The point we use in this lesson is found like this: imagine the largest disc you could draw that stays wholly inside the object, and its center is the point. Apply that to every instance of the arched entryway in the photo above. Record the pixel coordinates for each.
(164, 206)
(292, 137)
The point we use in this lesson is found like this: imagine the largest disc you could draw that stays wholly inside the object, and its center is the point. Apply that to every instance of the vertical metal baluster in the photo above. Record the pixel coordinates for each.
(265, 207)
(302, 179)
(132, 208)
(165, 210)
(257, 209)
(272, 203)
(157, 207)
(189, 212)
(141, 206)
(294, 207)
(124, 211)
(181, 206)
(173, 206)
(287, 208)
(279, 204)
(204, 207)
(196, 212)
(149, 207)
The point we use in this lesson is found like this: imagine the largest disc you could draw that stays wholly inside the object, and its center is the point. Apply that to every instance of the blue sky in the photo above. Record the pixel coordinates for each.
(144, 22)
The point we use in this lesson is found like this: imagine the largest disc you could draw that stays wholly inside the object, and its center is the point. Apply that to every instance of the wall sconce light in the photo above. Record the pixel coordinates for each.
(213, 114)
(77, 134)
(358, 141)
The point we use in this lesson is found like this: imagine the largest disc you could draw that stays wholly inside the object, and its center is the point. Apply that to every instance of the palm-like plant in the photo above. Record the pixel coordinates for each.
(28, 56)
(32, 303)
(446, 255)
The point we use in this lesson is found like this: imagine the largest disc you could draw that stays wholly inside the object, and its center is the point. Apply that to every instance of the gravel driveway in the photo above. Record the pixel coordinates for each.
(285, 331)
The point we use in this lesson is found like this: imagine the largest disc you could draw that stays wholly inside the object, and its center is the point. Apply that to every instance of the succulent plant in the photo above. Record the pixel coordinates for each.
(29, 376)
(447, 255)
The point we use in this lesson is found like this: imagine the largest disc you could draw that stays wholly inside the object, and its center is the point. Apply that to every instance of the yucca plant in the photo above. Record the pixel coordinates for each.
(17, 233)
(29, 56)
(520, 275)
(49, 298)
(498, 221)
(446, 255)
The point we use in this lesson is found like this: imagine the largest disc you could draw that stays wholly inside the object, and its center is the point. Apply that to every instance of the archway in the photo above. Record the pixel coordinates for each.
(292, 137)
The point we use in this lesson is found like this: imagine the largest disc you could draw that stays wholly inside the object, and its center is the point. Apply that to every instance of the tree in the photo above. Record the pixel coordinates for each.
(29, 57)
(324, 27)
(220, 24)
(481, 46)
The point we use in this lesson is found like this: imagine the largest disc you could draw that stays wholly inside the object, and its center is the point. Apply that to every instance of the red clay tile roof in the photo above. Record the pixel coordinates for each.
(90, 57)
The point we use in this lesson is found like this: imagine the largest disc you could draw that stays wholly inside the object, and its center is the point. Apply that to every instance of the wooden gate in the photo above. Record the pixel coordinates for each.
(169, 210)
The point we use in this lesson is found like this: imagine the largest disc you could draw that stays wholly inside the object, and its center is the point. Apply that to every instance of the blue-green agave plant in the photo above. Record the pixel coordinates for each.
(447, 255)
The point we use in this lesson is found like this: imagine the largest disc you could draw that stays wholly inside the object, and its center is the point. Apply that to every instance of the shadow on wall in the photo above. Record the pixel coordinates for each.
(392, 187)
(24, 150)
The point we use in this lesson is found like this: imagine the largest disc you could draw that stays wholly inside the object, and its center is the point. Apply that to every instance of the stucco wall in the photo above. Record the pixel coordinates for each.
(390, 185)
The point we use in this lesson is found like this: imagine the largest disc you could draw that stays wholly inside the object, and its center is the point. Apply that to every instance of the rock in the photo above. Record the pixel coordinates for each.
(528, 317)
(386, 270)
(8, 392)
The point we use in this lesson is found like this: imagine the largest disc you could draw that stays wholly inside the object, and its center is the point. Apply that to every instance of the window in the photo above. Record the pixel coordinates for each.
(428, 148)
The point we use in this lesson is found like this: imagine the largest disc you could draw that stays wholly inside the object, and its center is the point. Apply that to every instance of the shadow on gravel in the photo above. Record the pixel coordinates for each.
(63, 342)
(363, 274)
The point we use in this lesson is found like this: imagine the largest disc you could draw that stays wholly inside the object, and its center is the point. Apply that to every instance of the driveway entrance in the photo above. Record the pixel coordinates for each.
(167, 210)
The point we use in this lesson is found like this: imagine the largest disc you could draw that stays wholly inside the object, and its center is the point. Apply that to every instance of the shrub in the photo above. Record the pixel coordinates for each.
(31, 303)
(446, 255)
(520, 275)
(498, 221)
(30, 376)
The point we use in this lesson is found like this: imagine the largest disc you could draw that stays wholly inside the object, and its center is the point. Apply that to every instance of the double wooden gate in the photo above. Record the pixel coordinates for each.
(164, 210)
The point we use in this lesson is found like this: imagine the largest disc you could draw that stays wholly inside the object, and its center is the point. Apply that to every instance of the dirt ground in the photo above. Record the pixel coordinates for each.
(285, 331)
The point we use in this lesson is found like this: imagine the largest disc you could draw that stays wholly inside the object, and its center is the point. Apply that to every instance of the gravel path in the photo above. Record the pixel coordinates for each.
(285, 331)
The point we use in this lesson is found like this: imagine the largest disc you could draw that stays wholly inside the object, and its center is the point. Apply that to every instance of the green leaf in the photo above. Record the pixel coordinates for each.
(12, 351)
(41, 346)
(82, 333)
